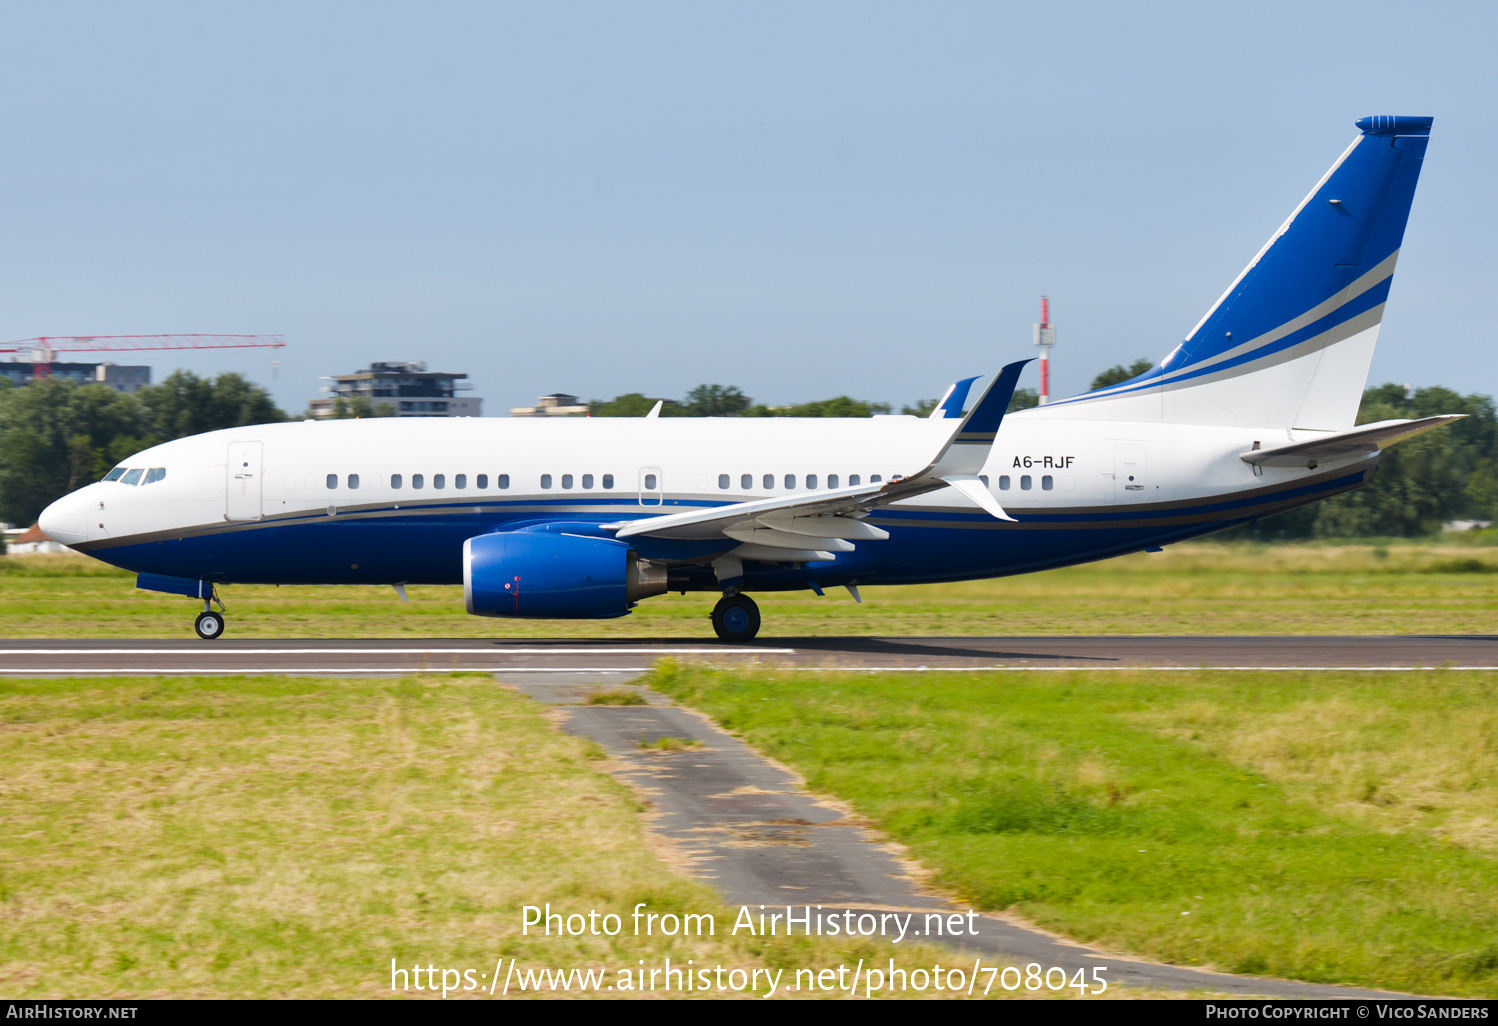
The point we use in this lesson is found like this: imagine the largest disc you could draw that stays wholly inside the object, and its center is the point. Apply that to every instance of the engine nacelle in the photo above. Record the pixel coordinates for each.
(540, 575)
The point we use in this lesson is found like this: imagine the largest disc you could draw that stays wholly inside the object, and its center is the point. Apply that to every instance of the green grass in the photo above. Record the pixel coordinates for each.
(666, 743)
(282, 837)
(1338, 828)
(1201, 588)
(616, 696)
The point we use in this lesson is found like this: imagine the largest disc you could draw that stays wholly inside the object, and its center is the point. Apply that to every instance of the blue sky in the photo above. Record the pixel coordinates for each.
(803, 199)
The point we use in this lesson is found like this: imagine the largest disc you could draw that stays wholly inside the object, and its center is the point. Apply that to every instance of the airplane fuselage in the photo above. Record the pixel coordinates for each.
(392, 501)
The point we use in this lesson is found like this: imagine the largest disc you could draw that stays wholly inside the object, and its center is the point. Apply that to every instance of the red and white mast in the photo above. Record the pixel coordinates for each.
(1045, 337)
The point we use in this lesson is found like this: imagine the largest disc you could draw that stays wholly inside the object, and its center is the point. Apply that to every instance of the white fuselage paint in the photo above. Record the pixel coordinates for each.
(204, 488)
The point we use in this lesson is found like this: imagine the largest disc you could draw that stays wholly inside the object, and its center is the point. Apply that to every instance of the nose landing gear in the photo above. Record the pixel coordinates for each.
(736, 618)
(209, 624)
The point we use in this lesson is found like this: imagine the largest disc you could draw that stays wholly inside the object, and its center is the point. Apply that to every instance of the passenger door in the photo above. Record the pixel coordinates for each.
(242, 489)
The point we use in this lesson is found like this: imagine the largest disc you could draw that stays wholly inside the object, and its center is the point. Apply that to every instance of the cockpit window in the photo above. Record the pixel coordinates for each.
(154, 474)
(115, 474)
(132, 477)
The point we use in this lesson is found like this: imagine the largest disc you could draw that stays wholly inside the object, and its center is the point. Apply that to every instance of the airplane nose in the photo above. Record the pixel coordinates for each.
(64, 520)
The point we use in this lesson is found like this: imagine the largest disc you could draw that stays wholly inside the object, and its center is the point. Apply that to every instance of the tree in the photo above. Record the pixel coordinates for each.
(56, 436)
(1023, 399)
(632, 404)
(185, 404)
(359, 407)
(715, 401)
(1118, 373)
(840, 406)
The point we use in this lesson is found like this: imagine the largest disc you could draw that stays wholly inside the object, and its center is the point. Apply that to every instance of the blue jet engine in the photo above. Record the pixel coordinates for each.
(542, 575)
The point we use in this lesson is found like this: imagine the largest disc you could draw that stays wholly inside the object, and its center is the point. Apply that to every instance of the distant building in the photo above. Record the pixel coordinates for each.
(1466, 525)
(33, 540)
(121, 379)
(558, 404)
(413, 390)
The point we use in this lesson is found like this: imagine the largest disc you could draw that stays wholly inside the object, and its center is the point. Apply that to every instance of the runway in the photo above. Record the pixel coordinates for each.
(930, 654)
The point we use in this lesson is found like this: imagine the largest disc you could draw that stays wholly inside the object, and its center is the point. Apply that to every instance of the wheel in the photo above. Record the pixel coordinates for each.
(210, 625)
(736, 618)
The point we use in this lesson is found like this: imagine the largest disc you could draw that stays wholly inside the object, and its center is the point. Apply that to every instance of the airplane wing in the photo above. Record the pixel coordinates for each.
(1360, 441)
(815, 525)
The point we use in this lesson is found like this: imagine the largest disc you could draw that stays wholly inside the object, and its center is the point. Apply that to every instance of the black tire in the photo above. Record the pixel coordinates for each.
(736, 618)
(209, 625)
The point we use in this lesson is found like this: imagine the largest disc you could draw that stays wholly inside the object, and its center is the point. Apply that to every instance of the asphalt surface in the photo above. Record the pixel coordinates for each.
(738, 821)
(542, 656)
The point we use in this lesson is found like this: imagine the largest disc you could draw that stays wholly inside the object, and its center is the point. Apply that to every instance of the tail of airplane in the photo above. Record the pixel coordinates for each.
(1290, 341)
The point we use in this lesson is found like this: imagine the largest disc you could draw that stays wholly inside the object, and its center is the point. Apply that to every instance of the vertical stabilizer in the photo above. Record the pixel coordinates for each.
(1290, 341)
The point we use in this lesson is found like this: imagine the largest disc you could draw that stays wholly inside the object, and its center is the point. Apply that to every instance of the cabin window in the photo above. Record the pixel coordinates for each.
(875, 479)
(154, 474)
(332, 480)
(566, 480)
(115, 474)
(587, 480)
(746, 481)
(503, 480)
(790, 481)
(1024, 482)
(395, 480)
(545, 480)
(1003, 482)
(353, 480)
(439, 480)
(650, 482)
(769, 482)
(608, 480)
(722, 480)
(1048, 482)
(483, 481)
(417, 480)
(854, 481)
(984, 479)
(460, 480)
(831, 480)
(811, 480)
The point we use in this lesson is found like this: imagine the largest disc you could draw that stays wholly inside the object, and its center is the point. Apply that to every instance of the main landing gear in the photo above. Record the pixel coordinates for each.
(736, 618)
(209, 624)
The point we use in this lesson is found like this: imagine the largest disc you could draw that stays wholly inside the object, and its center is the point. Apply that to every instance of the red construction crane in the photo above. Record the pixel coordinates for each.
(44, 350)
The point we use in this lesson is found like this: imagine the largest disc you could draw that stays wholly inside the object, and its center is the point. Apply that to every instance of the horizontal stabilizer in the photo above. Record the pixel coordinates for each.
(1362, 441)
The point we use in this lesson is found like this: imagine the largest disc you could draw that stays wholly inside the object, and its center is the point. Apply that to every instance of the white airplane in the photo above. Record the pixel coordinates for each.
(1253, 414)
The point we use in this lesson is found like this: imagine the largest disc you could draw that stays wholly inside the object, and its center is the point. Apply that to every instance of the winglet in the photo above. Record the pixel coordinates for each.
(950, 407)
(968, 447)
